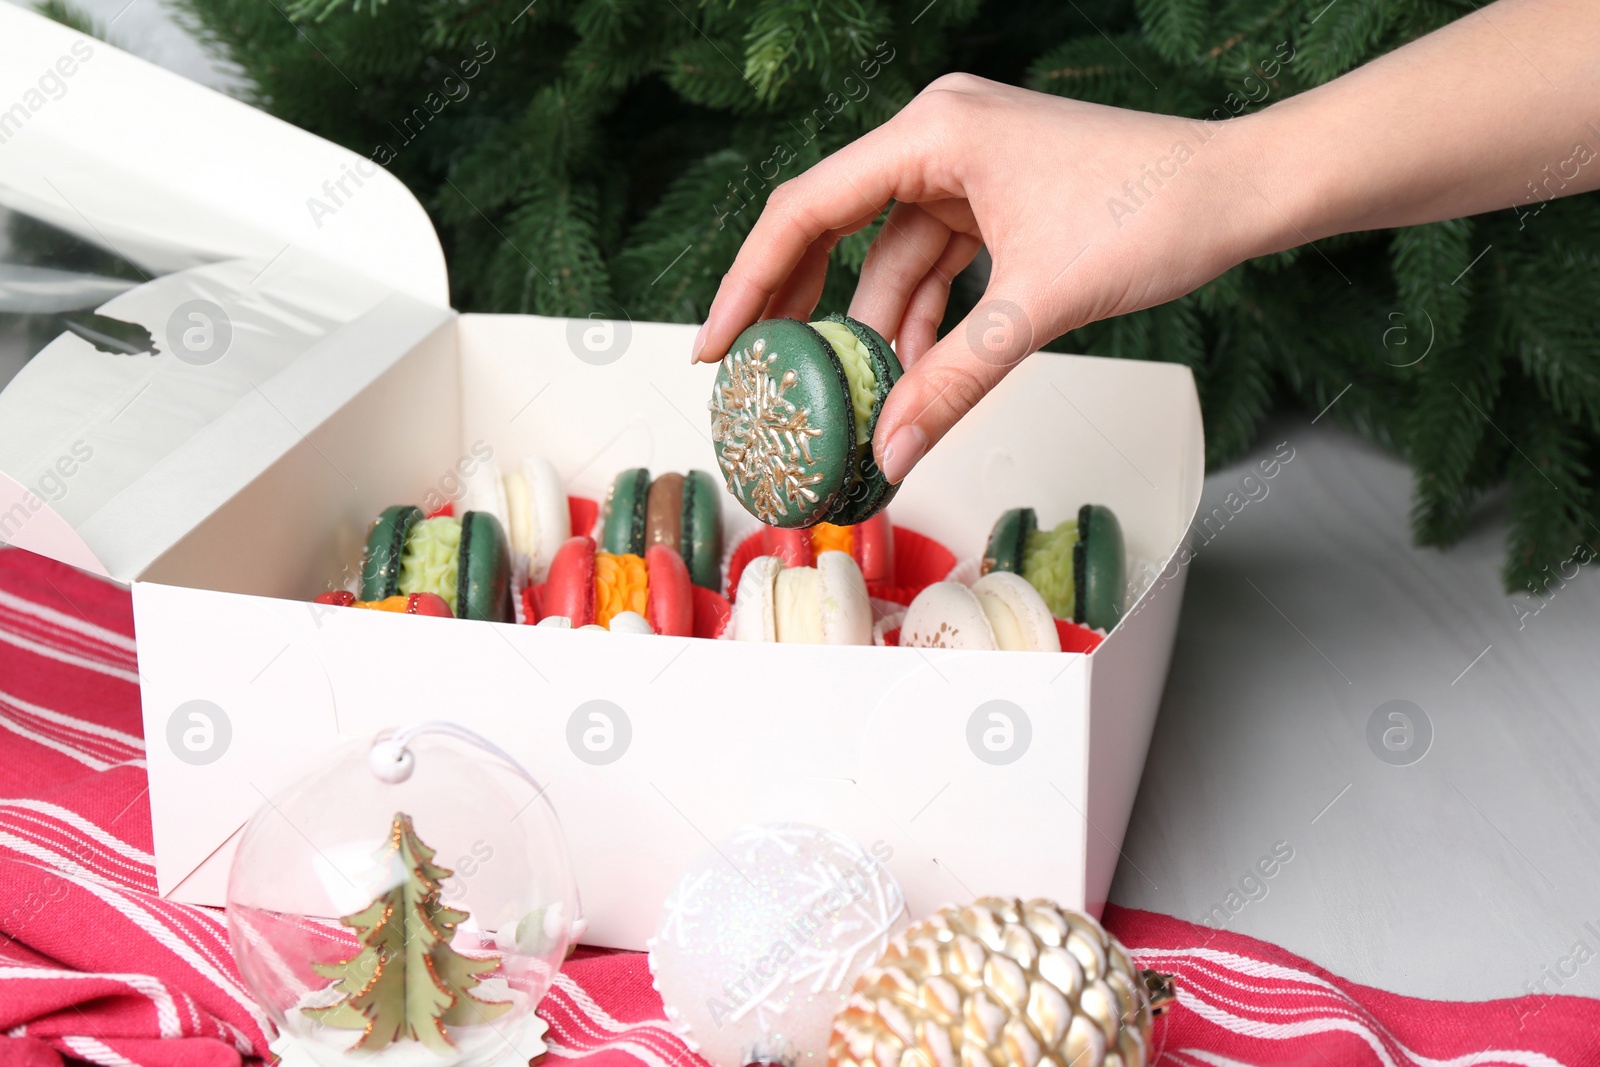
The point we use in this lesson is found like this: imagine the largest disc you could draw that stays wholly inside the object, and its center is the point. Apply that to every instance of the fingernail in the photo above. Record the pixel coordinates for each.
(699, 342)
(906, 446)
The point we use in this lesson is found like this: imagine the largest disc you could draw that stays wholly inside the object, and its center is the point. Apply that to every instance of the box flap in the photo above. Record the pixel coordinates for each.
(134, 451)
(170, 174)
(220, 320)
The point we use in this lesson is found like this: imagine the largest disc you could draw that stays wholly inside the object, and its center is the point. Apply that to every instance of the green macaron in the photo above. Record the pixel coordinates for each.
(793, 412)
(702, 529)
(465, 560)
(678, 510)
(1078, 567)
(622, 527)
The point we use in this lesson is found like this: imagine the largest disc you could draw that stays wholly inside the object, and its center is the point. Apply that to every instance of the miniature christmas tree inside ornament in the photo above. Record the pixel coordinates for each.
(1001, 983)
(409, 903)
(407, 982)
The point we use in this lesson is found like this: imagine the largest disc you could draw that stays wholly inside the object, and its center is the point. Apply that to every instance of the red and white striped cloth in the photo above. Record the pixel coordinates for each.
(95, 967)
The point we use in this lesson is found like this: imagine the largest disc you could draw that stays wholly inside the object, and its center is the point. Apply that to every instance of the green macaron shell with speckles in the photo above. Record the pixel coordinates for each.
(1008, 540)
(782, 423)
(701, 542)
(1098, 567)
(622, 531)
(868, 491)
(386, 543)
(483, 575)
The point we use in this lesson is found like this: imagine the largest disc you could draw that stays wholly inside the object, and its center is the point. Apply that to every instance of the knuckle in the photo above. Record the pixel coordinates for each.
(957, 82)
(955, 388)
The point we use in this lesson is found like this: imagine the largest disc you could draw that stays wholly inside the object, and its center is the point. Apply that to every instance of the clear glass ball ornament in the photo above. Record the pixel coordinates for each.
(405, 903)
(762, 939)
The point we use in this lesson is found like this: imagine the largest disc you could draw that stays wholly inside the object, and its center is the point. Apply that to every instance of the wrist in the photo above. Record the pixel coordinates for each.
(1272, 200)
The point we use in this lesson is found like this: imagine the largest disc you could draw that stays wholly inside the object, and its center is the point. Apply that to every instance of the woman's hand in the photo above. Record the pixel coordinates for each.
(1087, 212)
(1091, 211)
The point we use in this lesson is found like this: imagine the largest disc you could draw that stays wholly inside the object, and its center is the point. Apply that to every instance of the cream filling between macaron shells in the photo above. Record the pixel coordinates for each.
(826, 604)
(856, 359)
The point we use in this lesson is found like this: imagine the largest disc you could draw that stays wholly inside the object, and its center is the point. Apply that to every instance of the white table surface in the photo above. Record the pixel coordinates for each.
(1468, 874)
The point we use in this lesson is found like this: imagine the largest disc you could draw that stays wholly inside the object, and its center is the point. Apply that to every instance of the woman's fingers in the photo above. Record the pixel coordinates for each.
(799, 293)
(841, 193)
(919, 325)
(906, 249)
(952, 376)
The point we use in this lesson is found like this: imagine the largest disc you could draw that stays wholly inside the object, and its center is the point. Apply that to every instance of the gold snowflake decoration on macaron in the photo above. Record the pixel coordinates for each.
(763, 440)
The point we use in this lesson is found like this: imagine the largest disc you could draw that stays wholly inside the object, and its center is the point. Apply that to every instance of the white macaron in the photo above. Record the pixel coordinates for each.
(1000, 611)
(531, 504)
(822, 605)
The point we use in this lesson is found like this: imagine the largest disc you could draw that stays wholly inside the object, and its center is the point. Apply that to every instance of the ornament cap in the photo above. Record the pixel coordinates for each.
(391, 761)
(1161, 989)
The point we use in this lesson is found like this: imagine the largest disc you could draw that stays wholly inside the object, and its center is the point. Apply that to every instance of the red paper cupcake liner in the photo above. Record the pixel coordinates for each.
(583, 512)
(919, 561)
(1074, 638)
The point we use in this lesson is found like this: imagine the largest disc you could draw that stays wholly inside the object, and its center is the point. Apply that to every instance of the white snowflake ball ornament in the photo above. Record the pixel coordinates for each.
(764, 936)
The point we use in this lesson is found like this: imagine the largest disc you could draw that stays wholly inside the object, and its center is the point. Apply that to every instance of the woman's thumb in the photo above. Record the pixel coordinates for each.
(950, 378)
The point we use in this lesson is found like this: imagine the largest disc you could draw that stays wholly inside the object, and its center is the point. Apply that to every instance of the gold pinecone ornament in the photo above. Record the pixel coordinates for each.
(1001, 983)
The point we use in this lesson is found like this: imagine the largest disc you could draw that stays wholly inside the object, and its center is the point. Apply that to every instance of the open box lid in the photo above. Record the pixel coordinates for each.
(110, 454)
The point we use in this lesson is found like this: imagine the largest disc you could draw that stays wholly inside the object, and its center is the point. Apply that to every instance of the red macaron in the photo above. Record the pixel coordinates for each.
(587, 586)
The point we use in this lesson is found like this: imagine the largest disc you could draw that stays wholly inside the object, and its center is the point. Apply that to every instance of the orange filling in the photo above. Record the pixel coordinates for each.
(388, 603)
(826, 537)
(621, 583)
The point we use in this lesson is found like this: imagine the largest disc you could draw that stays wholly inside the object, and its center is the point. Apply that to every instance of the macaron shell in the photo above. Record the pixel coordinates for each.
(483, 574)
(629, 622)
(569, 588)
(552, 516)
(869, 492)
(754, 616)
(663, 513)
(702, 529)
(1098, 566)
(1008, 540)
(792, 546)
(1033, 617)
(946, 615)
(386, 543)
(622, 527)
(782, 424)
(670, 606)
(845, 611)
(873, 545)
(485, 490)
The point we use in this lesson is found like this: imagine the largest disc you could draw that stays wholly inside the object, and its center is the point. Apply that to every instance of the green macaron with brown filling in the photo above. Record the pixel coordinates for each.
(1078, 567)
(793, 413)
(677, 510)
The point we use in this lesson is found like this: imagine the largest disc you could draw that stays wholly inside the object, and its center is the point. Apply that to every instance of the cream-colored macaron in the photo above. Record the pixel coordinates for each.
(1001, 611)
(822, 605)
(531, 504)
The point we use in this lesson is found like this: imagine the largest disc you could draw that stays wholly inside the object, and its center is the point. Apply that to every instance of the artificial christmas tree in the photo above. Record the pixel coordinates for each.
(607, 157)
(407, 983)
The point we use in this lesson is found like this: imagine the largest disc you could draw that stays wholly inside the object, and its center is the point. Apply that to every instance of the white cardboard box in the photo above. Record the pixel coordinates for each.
(229, 493)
